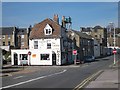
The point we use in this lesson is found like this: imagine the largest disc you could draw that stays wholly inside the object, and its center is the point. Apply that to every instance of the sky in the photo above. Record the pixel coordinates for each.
(83, 14)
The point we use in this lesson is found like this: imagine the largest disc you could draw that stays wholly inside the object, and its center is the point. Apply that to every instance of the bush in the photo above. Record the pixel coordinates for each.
(8, 56)
(4, 52)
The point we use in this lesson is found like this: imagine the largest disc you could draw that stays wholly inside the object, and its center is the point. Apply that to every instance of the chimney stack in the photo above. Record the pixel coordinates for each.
(55, 18)
(63, 21)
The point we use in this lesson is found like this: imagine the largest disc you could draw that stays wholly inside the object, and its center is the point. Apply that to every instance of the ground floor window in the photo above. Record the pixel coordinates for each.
(24, 56)
(45, 56)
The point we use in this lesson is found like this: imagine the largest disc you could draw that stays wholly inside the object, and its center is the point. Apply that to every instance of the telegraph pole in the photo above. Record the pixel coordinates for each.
(114, 45)
(113, 25)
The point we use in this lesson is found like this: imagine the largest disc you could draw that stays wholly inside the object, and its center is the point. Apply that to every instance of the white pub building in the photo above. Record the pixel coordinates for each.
(47, 45)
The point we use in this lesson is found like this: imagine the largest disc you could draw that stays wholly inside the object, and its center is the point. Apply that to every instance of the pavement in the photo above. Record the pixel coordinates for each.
(109, 79)
(9, 70)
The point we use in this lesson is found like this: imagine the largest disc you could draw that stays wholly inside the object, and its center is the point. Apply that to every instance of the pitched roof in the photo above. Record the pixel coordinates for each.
(7, 30)
(97, 27)
(38, 30)
(83, 35)
(86, 30)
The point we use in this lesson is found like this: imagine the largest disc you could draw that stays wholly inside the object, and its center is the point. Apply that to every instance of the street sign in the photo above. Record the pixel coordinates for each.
(114, 51)
(29, 53)
(74, 52)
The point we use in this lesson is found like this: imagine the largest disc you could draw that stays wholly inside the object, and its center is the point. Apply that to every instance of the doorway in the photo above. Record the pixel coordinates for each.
(15, 59)
(53, 59)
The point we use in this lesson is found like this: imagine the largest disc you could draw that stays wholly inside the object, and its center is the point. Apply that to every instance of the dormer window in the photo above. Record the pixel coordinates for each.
(47, 30)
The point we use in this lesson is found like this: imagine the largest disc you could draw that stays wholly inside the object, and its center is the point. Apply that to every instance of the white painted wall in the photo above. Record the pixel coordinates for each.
(18, 52)
(32, 60)
(42, 47)
(37, 60)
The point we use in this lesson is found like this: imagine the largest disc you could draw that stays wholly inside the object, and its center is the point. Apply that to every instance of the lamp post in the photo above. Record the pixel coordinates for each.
(112, 25)
(88, 48)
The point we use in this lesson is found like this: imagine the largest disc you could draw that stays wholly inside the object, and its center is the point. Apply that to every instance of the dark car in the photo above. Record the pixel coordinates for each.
(89, 58)
(79, 61)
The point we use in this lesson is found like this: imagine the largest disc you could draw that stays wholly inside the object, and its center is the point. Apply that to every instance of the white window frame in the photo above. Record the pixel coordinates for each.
(3, 36)
(49, 46)
(22, 36)
(35, 44)
(22, 43)
(9, 36)
(48, 30)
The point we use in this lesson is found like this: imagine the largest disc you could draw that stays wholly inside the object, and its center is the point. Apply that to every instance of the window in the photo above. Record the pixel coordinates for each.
(22, 43)
(8, 36)
(44, 56)
(48, 31)
(96, 36)
(3, 36)
(22, 36)
(9, 43)
(35, 44)
(23, 56)
(65, 43)
(3, 43)
(48, 45)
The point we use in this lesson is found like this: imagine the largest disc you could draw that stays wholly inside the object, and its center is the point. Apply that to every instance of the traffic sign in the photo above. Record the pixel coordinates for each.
(29, 53)
(74, 52)
(114, 51)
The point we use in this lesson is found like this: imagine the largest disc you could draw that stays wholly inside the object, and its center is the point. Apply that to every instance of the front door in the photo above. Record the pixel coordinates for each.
(15, 59)
(54, 59)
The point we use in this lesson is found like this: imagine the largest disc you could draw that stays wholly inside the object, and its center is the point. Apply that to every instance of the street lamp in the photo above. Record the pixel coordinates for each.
(112, 25)
(88, 47)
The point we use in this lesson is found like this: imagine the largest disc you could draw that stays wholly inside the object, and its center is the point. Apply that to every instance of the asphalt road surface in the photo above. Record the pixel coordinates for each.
(57, 76)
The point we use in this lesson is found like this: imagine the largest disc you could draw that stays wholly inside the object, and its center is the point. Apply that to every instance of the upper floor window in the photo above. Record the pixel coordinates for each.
(9, 43)
(47, 30)
(22, 43)
(22, 36)
(3, 43)
(3, 36)
(35, 44)
(8, 36)
(48, 45)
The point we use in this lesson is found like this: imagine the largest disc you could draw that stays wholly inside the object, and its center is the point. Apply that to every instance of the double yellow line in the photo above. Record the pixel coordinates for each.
(83, 83)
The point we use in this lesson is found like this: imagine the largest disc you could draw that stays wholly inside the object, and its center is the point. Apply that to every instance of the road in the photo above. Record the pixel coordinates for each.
(57, 76)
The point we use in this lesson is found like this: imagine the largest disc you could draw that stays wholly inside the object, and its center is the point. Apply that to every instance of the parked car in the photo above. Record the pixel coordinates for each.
(79, 61)
(89, 58)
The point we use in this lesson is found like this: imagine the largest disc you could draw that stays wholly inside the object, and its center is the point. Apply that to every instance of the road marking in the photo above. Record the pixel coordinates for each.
(18, 77)
(33, 79)
(83, 83)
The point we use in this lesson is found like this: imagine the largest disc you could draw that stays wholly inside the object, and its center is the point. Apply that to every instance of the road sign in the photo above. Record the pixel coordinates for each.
(74, 52)
(114, 51)
(29, 53)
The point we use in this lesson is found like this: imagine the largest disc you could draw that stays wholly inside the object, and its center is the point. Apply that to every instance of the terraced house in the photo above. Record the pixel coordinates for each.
(83, 43)
(7, 37)
(13, 37)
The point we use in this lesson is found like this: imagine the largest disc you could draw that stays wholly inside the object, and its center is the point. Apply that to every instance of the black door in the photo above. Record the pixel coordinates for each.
(15, 59)
(54, 59)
